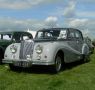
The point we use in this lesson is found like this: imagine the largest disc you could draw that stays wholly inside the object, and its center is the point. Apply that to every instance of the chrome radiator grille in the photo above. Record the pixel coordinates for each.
(26, 49)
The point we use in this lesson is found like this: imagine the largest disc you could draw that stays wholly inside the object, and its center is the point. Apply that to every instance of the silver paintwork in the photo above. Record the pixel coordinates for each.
(72, 49)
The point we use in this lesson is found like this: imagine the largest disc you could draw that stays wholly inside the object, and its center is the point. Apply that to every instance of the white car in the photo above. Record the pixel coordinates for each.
(53, 46)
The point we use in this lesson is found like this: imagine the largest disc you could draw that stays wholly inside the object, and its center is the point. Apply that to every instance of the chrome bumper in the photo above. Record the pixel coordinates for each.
(20, 63)
(27, 63)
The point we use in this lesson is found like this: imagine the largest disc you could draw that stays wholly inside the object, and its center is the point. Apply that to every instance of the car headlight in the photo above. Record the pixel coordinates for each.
(39, 49)
(13, 49)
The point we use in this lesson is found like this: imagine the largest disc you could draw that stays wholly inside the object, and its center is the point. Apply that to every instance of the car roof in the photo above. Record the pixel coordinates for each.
(11, 32)
(58, 29)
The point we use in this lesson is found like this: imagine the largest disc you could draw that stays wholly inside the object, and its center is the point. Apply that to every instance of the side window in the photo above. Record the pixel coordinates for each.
(7, 36)
(71, 34)
(78, 35)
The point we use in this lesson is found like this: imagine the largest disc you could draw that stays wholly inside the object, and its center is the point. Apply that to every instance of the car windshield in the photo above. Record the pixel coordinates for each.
(51, 34)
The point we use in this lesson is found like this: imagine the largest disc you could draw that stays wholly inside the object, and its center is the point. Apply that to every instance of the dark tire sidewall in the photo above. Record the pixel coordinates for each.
(58, 64)
(1, 57)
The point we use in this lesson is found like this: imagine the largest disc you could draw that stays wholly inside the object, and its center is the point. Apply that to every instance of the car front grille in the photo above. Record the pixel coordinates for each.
(26, 49)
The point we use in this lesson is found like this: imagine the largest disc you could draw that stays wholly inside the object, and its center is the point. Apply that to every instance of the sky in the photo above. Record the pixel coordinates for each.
(38, 14)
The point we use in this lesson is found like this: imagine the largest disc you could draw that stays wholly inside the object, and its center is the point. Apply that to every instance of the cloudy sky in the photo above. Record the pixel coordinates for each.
(36, 14)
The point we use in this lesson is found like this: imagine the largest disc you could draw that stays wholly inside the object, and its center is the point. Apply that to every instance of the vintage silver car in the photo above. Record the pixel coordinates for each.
(53, 46)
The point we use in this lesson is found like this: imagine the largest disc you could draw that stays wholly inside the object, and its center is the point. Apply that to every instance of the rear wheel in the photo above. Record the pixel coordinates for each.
(86, 58)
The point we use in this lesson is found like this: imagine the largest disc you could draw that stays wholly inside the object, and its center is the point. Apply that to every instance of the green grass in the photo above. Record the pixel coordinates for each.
(76, 77)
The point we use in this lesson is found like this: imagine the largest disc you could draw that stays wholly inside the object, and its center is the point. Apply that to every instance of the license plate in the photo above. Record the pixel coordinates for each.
(17, 63)
(25, 64)
(22, 64)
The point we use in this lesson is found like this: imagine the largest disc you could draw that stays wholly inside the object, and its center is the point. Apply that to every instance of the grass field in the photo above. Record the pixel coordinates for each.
(76, 76)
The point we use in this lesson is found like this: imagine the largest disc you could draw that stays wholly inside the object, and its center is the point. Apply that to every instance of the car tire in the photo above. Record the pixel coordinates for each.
(12, 67)
(86, 58)
(1, 57)
(58, 64)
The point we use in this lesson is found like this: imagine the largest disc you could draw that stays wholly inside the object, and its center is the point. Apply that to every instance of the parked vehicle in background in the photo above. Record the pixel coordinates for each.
(89, 43)
(9, 37)
(53, 47)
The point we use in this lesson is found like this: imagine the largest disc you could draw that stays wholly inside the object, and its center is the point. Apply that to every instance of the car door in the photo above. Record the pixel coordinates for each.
(72, 42)
(79, 40)
(71, 39)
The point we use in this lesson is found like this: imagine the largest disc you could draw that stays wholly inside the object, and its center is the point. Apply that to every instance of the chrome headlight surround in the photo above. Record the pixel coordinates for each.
(13, 49)
(39, 49)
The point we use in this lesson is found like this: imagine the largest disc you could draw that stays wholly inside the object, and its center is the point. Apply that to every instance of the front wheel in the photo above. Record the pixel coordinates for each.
(58, 64)
(13, 67)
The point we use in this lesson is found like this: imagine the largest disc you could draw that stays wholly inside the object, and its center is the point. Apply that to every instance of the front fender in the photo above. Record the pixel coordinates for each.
(50, 50)
(47, 53)
(9, 55)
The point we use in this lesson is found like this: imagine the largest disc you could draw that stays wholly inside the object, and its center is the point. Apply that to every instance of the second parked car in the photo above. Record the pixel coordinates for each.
(9, 37)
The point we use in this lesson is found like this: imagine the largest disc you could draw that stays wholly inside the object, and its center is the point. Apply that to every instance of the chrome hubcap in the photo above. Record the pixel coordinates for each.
(58, 63)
